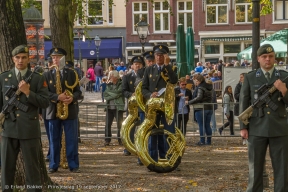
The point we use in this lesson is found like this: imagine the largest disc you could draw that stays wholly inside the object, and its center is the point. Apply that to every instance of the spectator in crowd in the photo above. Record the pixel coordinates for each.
(236, 64)
(199, 68)
(213, 118)
(121, 67)
(103, 87)
(245, 63)
(91, 76)
(215, 77)
(237, 97)
(115, 105)
(116, 64)
(121, 74)
(203, 112)
(78, 70)
(281, 63)
(98, 71)
(219, 69)
(228, 103)
(181, 95)
(190, 82)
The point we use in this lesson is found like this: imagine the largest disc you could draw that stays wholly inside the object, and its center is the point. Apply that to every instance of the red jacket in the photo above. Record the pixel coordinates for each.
(92, 75)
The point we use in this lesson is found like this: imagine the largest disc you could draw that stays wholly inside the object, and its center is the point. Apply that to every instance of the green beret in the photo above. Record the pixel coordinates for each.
(20, 49)
(264, 49)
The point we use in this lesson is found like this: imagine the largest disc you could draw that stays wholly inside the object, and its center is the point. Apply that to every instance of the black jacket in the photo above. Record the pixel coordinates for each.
(204, 95)
(69, 76)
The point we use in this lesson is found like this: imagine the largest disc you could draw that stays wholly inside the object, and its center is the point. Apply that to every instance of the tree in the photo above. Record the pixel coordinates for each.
(12, 31)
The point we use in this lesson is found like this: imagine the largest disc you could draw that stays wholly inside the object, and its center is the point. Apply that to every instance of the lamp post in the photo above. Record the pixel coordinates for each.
(79, 32)
(97, 41)
(142, 30)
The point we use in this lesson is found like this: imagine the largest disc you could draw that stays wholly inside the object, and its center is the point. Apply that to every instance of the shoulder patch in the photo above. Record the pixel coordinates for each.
(281, 70)
(252, 71)
(35, 72)
(5, 71)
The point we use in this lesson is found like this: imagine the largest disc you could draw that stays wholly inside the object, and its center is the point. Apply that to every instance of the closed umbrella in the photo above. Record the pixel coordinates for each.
(190, 49)
(181, 52)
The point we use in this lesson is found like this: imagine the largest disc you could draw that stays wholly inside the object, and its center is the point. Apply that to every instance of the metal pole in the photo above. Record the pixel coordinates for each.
(255, 32)
(97, 52)
(287, 47)
(143, 47)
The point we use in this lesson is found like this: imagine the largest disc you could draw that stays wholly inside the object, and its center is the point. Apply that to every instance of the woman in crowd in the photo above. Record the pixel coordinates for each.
(228, 101)
(203, 112)
(182, 94)
(90, 75)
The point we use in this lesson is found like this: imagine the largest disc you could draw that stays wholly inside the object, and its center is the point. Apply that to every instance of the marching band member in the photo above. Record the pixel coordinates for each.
(67, 77)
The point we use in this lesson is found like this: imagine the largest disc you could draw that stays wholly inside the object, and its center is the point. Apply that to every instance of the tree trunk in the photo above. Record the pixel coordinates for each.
(61, 24)
(12, 32)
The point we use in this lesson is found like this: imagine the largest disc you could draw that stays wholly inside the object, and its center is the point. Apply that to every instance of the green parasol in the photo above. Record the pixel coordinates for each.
(278, 40)
(181, 52)
(190, 49)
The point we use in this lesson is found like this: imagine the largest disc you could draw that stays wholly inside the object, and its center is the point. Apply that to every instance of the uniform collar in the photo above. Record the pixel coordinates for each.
(23, 72)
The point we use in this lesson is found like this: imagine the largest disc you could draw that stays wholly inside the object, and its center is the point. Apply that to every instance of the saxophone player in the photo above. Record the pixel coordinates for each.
(153, 81)
(59, 80)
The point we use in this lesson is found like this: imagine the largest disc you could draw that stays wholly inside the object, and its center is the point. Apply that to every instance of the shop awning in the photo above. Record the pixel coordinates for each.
(109, 48)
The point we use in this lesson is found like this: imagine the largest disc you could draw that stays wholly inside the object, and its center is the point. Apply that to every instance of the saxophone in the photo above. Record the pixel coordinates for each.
(62, 111)
(175, 141)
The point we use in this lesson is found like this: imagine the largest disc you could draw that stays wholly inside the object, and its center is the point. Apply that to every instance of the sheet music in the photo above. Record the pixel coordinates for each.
(161, 91)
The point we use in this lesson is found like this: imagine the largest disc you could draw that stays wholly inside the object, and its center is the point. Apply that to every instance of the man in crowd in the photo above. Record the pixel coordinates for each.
(67, 79)
(98, 71)
(121, 67)
(21, 129)
(268, 128)
(153, 81)
(78, 70)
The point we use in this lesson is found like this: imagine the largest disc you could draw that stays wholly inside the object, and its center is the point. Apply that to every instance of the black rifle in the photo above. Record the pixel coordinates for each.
(12, 93)
(264, 93)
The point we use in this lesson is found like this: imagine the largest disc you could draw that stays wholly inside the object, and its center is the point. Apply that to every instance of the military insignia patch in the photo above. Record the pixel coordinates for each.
(160, 47)
(151, 53)
(269, 49)
(56, 50)
(26, 49)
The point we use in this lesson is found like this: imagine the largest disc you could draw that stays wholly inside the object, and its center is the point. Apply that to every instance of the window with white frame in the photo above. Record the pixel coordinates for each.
(281, 10)
(140, 10)
(161, 17)
(217, 11)
(185, 13)
(243, 11)
(94, 12)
